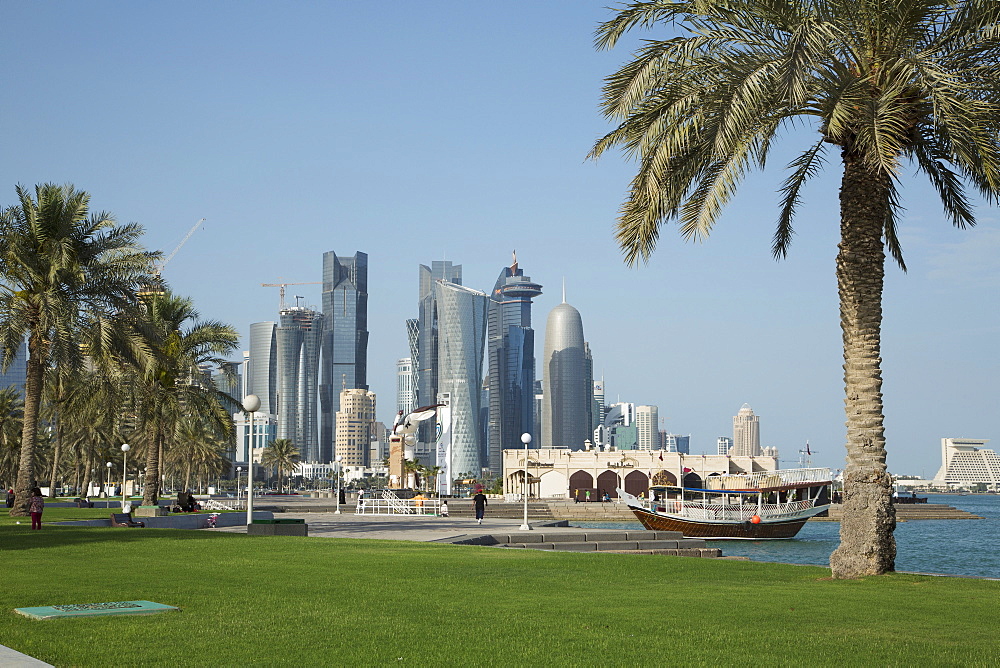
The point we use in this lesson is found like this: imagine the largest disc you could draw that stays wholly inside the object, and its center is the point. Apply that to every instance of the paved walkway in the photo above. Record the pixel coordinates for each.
(11, 659)
(421, 528)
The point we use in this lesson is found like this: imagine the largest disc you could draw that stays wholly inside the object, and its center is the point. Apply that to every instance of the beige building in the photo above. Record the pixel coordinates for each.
(746, 433)
(558, 473)
(964, 462)
(355, 422)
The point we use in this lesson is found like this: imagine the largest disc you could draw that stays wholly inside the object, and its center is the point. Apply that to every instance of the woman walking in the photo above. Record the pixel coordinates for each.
(35, 506)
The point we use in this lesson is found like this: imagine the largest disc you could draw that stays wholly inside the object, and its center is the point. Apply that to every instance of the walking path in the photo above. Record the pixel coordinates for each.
(11, 659)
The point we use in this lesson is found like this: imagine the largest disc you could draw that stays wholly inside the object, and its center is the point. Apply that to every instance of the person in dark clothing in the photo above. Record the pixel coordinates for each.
(10, 498)
(480, 501)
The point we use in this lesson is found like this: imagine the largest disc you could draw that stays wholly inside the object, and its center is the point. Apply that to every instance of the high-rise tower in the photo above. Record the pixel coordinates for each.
(511, 354)
(298, 344)
(461, 334)
(345, 337)
(569, 382)
(425, 363)
(746, 433)
(355, 422)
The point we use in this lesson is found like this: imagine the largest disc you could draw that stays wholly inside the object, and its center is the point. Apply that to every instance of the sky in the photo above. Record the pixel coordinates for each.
(421, 131)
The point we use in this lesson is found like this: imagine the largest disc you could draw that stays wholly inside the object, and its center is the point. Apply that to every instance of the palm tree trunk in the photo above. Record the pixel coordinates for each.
(152, 492)
(867, 545)
(29, 433)
(55, 460)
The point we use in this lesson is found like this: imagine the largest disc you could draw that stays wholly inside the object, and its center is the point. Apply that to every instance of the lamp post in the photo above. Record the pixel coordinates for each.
(251, 403)
(125, 449)
(339, 458)
(239, 469)
(107, 489)
(526, 439)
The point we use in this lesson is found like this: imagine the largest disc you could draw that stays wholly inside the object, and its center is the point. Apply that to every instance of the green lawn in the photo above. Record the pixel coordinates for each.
(321, 601)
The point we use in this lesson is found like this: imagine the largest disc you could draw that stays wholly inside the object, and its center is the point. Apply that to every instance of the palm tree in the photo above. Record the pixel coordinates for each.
(11, 418)
(282, 455)
(56, 263)
(178, 385)
(881, 82)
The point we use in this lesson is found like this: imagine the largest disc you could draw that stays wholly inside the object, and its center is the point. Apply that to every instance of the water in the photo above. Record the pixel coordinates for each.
(951, 547)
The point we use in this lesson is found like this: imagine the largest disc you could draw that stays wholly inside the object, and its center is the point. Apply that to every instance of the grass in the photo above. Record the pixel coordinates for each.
(323, 601)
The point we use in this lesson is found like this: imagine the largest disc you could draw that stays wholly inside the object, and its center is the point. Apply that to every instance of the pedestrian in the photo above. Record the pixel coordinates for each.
(10, 498)
(444, 508)
(586, 496)
(35, 506)
(480, 501)
(576, 496)
(361, 502)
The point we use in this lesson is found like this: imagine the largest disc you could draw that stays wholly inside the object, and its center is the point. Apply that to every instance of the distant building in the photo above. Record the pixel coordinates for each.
(569, 383)
(677, 443)
(405, 388)
(426, 329)
(511, 363)
(265, 430)
(597, 406)
(379, 449)
(355, 426)
(345, 338)
(746, 433)
(723, 445)
(964, 462)
(261, 373)
(461, 339)
(298, 345)
(16, 373)
(647, 420)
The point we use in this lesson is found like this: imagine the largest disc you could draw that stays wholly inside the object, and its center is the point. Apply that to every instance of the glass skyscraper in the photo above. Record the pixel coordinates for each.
(298, 345)
(262, 368)
(345, 338)
(425, 362)
(461, 334)
(16, 373)
(569, 381)
(511, 354)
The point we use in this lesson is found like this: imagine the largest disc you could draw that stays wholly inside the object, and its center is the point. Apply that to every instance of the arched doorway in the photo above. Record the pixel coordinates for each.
(662, 478)
(692, 479)
(608, 482)
(553, 484)
(636, 483)
(581, 482)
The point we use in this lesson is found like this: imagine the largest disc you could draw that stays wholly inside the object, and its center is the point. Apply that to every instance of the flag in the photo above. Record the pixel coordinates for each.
(807, 449)
(687, 470)
(661, 455)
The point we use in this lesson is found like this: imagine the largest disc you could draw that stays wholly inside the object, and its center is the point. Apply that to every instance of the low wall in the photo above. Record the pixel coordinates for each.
(181, 520)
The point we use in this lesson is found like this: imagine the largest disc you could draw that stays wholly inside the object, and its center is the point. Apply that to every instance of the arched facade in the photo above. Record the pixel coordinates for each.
(636, 483)
(608, 483)
(552, 484)
(662, 478)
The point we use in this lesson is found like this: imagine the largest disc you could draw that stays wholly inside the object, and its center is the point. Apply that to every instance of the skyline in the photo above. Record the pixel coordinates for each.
(443, 131)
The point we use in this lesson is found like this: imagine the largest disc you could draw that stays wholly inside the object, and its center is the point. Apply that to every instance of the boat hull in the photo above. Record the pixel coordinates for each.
(731, 530)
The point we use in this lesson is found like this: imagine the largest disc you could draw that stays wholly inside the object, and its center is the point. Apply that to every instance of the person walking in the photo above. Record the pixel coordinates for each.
(480, 501)
(35, 506)
(10, 497)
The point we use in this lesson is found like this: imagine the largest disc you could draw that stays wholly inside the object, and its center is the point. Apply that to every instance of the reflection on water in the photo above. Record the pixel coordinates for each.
(953, 547)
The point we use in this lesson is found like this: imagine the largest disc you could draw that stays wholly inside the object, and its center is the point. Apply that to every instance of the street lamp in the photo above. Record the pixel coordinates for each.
(125, 449)
(239, 469)
(526, 439)
(339, 458)
(251, 403)
(107, 490)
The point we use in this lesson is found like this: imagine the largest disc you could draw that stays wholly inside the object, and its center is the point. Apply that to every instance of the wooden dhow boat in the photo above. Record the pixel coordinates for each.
(756, 506)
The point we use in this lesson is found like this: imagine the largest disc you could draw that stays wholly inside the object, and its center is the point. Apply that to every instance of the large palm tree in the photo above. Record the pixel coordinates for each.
(57, 262)
(282, 455)
(884, 83)
(11, 417)
(183, 348)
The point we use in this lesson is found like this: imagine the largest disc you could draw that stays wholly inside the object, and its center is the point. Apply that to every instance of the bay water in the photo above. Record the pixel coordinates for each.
(947, 547)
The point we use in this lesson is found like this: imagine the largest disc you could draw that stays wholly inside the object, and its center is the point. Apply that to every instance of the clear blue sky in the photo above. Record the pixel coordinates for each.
(420, 131)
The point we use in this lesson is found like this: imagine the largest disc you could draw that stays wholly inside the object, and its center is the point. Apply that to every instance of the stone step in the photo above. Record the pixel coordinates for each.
(611, 545)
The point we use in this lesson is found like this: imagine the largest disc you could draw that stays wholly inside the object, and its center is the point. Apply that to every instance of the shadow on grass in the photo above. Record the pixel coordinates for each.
(23, 538)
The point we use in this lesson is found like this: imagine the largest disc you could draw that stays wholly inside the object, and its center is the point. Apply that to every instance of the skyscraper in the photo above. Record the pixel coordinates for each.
(647, 419)
(511, 355)
(355, 423)
(298, 345)
(261, 376)
(425, 363)
(746, 433)
(723, 445)
(461, 334)
(405, 390)
(569, 382)
(345, 337)
(16, 373)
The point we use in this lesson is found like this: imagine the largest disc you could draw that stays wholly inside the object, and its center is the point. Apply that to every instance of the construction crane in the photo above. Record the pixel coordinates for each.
(158, 268)
(281, 293)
